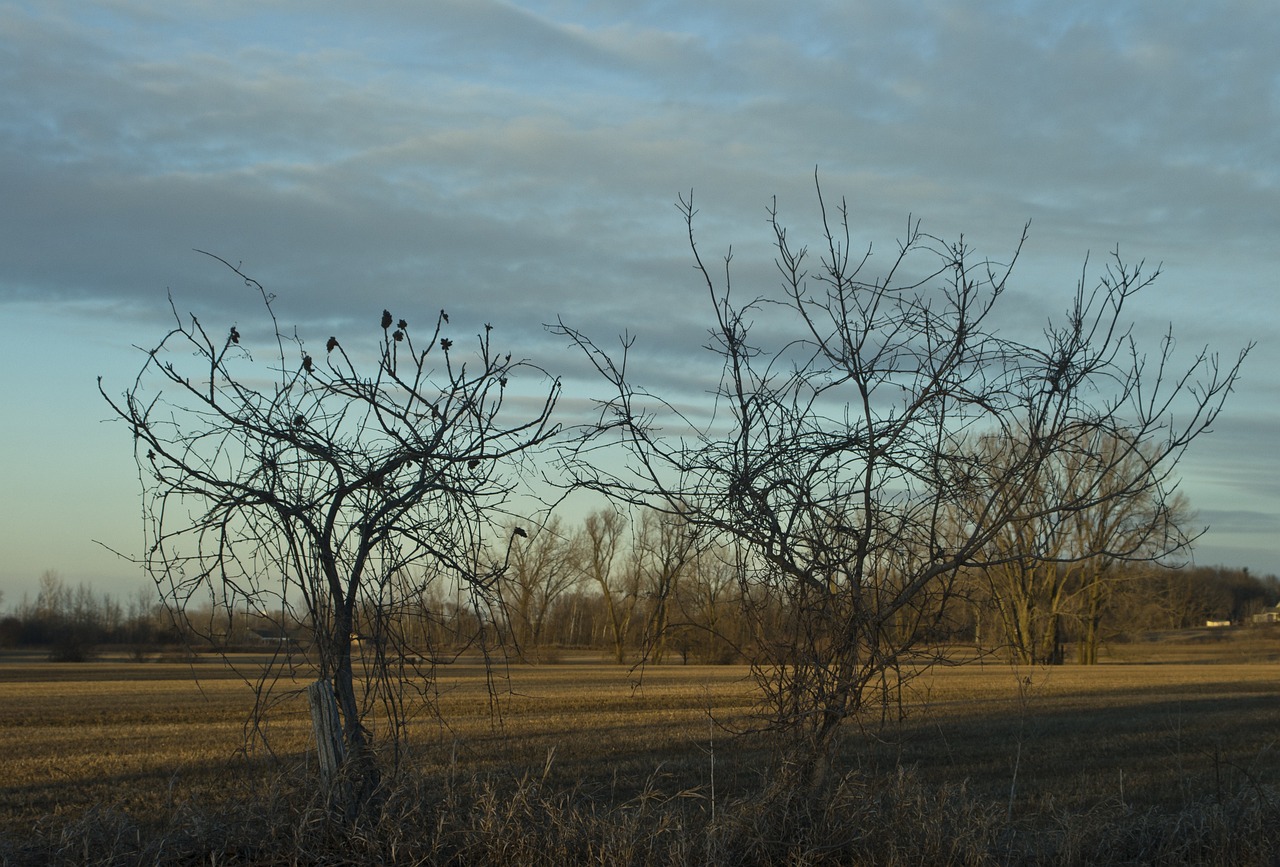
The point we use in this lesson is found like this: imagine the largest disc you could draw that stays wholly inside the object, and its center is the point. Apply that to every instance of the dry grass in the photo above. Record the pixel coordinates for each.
(1150, 761)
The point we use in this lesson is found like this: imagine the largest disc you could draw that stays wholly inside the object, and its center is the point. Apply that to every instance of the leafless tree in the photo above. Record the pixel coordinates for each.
(711, 625)
(601, 544)
(840, 454)
(325, 481)
(543, 568)
(1062, 565)
(664, 547)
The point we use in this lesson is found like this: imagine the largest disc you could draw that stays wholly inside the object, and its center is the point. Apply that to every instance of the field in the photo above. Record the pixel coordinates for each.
(1181, 728)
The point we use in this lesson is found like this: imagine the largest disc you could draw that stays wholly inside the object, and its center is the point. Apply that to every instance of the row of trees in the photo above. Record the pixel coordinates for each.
(645, 589)
(636, 589)
(73, 621)
(876, 454)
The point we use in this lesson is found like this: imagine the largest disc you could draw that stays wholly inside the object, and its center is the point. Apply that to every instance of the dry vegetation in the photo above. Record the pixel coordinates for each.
(1168, 753)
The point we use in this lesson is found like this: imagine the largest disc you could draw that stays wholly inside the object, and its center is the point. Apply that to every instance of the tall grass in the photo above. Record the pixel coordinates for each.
(886, 819)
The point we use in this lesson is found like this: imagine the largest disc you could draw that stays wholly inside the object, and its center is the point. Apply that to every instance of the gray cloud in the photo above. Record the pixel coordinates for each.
(519, 162)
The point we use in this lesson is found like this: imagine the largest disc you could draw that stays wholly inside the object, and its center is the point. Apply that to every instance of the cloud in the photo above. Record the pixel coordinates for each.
(1241, 521)
(516, 162)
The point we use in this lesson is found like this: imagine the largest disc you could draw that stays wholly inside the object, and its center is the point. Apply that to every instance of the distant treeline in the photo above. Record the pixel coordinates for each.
(629, 589)
(73, 621)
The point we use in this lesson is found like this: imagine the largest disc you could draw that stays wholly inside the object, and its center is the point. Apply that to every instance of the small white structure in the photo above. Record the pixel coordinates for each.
(1269, 615)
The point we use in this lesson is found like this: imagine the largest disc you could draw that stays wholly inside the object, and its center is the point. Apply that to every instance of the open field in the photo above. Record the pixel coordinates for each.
(1162, 726)
(134, 733)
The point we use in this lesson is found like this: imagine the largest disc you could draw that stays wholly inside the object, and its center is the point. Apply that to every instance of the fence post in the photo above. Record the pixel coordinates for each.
(327, 728)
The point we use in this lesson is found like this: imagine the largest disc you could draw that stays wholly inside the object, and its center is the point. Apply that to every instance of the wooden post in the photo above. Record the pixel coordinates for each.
(327, 728)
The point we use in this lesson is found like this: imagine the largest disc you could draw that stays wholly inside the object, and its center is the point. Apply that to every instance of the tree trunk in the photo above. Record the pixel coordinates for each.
(658, 632)
(1053, 648)
(360, 777)
(1088, 652)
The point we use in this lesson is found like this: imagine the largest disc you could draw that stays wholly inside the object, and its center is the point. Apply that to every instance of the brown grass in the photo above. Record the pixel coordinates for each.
(602, 764)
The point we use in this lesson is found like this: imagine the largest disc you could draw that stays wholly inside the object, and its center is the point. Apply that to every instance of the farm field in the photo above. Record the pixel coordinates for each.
(137, 735)
(127, 733)
(1158, 726)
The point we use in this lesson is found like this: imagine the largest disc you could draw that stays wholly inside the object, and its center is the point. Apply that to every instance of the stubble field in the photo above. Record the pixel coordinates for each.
(1165, 726)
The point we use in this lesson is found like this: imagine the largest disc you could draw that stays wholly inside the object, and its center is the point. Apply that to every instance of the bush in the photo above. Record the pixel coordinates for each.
(73, 648)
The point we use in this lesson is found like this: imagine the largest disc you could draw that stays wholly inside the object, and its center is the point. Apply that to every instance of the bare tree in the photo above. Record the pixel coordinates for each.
(1147, 528)
(711, 625)
(601, 558)
(839, 454)
(664, 546)
(543, 568)
(279, 477)
(1057, 566)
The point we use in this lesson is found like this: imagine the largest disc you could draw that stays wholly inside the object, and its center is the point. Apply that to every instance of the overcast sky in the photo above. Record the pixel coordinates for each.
(515, 162)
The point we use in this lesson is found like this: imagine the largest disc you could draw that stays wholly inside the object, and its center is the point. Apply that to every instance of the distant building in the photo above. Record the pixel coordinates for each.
(270, 636)
(1268, 615)
(1217, 624)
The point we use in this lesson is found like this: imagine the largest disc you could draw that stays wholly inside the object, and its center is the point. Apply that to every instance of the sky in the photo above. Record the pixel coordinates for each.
(515, 162)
